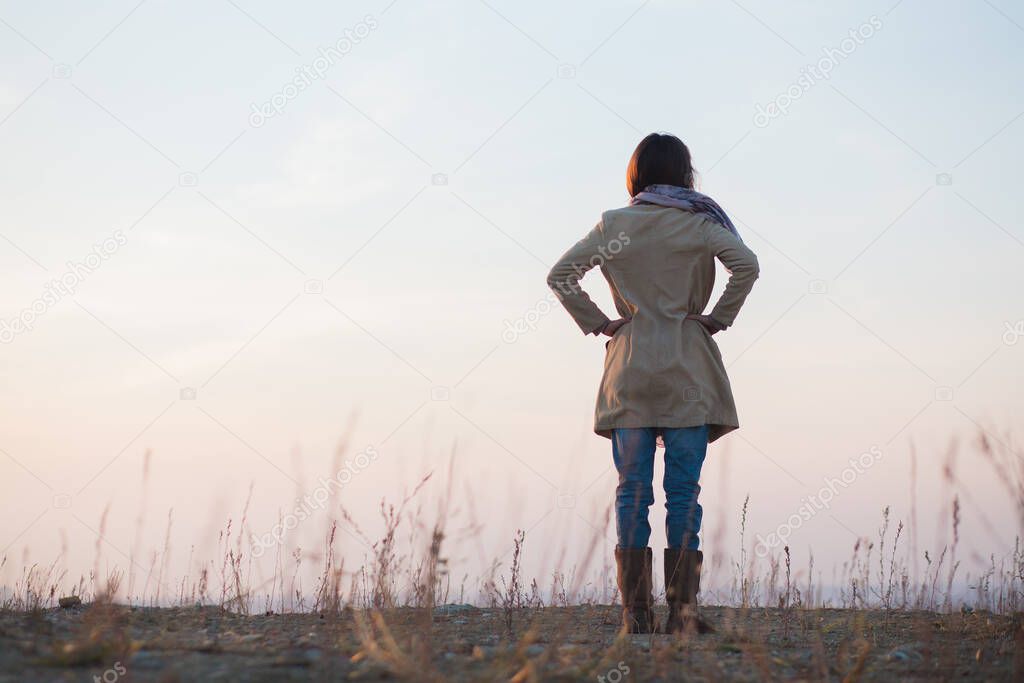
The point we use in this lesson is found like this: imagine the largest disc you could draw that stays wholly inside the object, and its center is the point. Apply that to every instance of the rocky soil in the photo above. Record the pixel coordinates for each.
(462, 643)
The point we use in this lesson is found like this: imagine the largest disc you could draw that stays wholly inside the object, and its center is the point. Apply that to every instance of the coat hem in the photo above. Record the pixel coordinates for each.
(717, 429)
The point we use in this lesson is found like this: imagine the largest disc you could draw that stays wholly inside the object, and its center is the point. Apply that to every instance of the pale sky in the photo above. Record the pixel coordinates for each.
(347, 270)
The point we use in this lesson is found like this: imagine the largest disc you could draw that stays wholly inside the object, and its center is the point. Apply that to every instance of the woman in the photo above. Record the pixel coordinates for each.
(663, 373)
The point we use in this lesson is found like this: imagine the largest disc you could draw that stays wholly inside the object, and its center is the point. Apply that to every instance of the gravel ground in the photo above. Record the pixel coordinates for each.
(463, 643)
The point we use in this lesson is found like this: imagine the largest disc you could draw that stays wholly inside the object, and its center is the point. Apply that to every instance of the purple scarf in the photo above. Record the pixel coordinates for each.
(687, 200)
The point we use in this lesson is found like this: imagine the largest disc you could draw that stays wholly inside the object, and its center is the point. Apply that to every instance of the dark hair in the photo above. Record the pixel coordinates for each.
(659, 159)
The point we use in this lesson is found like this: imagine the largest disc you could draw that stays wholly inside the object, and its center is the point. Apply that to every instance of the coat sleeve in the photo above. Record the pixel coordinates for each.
(743, 269)
(564, 280)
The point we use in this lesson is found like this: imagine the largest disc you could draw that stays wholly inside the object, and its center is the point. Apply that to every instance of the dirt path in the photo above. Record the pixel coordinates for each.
(462, 643)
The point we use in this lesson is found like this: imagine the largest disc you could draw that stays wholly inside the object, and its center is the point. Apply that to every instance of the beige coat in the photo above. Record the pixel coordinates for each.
(661, 369)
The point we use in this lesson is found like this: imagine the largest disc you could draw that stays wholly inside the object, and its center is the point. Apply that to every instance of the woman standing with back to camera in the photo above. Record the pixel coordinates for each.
(663, 373)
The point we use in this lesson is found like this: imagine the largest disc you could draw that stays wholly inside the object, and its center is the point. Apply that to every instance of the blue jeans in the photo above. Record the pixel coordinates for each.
(633, 451)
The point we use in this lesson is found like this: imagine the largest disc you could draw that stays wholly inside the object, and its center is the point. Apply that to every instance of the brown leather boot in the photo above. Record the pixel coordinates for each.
(634, 579)
(682, 583)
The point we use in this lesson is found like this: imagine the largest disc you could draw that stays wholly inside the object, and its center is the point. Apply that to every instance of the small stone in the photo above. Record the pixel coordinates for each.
(453, 609)
(144, 659)
(641, 641)
(906, 653)
(295, 657)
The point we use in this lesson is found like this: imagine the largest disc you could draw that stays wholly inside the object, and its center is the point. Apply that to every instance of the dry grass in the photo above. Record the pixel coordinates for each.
(400, 615)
